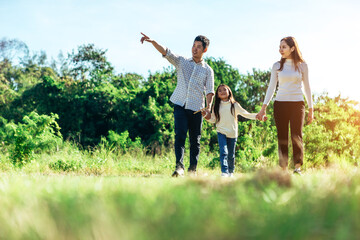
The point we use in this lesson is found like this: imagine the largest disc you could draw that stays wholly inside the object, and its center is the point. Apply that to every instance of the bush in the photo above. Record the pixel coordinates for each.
(63, 165)
(335, 131)
(122, 141)
(36, 133)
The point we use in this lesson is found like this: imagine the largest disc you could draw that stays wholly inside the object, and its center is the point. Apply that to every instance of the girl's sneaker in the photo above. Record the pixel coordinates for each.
(224, 175)
(297, 171)
(231, 174)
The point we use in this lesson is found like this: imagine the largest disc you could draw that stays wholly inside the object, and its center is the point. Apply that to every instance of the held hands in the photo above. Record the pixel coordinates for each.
(262, 115)
(206, 113)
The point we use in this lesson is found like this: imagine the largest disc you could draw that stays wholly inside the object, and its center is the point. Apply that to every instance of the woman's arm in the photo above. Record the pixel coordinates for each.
(270, 91)
(307, 89)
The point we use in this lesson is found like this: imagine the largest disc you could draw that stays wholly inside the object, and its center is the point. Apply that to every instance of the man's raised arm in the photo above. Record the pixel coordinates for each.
(158, 47)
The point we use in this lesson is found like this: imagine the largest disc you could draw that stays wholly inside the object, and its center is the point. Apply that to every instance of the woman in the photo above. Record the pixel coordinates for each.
(291, 72)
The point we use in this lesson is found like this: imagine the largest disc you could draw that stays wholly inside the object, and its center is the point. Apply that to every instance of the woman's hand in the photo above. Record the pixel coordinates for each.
(310, 115)
(262, 114)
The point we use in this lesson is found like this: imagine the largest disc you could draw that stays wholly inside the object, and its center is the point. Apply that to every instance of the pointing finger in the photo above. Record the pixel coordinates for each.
(144, 35)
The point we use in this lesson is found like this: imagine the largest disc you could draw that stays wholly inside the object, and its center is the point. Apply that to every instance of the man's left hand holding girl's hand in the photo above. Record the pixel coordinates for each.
(206, 113)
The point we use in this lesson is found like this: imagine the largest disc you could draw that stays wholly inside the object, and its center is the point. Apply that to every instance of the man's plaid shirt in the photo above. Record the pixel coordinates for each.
(193, 80)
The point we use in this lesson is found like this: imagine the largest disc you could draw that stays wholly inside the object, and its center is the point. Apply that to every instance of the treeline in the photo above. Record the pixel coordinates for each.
(85, 101)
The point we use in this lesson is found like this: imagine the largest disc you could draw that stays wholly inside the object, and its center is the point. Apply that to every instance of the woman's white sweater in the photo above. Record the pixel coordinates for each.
(291, 83)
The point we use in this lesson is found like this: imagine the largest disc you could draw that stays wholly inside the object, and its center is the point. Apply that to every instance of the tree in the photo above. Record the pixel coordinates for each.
(335, 132)
(11, 48)
(89, 61)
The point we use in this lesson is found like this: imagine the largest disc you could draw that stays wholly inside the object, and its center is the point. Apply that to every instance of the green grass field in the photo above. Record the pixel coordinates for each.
(103, 194)
(265, 204)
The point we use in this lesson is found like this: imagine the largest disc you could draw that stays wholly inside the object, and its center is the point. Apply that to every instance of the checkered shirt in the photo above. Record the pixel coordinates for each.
(193, 80)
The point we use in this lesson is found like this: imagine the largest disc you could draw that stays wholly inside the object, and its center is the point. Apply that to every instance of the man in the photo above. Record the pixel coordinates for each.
(194, 78)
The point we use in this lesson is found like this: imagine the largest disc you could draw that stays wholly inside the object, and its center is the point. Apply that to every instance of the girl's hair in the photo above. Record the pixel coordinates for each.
(295, 55)
(218, 101)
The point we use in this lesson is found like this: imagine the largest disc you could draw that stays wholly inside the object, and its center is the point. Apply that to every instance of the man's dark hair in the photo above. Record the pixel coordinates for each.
(204, 40)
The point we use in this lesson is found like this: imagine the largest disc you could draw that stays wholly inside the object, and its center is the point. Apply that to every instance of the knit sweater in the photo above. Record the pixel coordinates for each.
(228, 124)
(290, 83)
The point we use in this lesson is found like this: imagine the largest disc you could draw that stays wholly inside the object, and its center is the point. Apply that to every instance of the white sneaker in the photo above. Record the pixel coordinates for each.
(231, 174)
(192, 173)
(297, 171)
(178, 173)
(224, 175)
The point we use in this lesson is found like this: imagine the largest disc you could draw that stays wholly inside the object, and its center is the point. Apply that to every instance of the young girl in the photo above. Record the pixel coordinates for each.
(224, 114)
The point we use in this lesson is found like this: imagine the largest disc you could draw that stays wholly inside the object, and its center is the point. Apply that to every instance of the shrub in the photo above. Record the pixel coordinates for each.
(63, 165)
(122, 141)
(36, 133)
(334, 133)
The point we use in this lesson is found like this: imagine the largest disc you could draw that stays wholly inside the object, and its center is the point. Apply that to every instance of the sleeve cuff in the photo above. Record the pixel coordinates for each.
(167, 53)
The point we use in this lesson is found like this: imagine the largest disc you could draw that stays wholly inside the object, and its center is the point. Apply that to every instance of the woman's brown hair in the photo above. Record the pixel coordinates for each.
(295, 55)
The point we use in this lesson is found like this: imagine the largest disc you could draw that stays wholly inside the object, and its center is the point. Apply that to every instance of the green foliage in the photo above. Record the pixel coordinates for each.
(214, 163)
(261, 205)
(89, 61)
(123, 141)
(251, 89)
(36, 133)
(65, 165)
(335, 131)
(12, 48)
(224, 73)
(92, 101)
(256, 139)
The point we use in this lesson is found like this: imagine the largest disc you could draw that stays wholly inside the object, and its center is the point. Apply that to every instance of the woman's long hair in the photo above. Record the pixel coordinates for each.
(295, 55)
(218, 101)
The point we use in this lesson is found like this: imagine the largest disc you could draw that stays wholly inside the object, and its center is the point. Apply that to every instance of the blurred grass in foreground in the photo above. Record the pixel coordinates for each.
(266, 204)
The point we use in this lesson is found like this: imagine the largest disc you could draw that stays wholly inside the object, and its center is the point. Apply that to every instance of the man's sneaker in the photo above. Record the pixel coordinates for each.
(224, 175)
(178, 173)
(192, 173)
(297, 171)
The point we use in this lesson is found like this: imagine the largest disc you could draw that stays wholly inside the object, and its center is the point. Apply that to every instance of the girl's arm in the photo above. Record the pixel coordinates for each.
(240, 111)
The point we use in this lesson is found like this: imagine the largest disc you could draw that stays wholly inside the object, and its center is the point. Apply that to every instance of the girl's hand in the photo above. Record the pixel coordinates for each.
(262, 114)
(206, 114)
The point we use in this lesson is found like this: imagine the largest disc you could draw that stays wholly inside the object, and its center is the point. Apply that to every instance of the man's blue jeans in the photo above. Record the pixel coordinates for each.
(227, 153)
(186, 120)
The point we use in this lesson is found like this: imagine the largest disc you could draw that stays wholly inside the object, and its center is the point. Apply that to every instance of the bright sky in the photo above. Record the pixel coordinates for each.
(244, 33)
